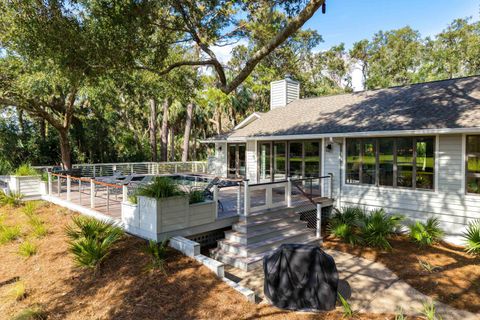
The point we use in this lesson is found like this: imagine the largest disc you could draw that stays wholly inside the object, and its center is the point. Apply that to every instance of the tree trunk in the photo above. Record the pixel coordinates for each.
(43, 129)
(218, 120)
(164, 138)
(153, 129)
(21, 124)
(65, 149)
(172, 144)
(188, 128)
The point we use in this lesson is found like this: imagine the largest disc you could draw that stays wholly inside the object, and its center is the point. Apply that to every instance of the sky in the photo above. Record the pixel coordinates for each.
(349, 21)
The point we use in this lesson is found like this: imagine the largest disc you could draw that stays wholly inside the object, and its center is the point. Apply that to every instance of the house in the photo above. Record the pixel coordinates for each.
(413, 150)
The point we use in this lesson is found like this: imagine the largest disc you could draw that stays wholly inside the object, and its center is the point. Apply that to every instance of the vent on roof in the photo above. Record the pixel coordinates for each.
(282, 92)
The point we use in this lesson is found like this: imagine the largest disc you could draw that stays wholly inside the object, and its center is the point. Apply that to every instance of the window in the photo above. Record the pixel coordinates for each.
(406, 162)
(265, 172)
(295, 157)
(279, 163)
(473, 164)
(312, 159)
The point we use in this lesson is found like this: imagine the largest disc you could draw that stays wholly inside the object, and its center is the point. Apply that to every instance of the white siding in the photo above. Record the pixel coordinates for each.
(449, 203)
(331, 164)
(220, 162)
(251, 159)
(283, 92)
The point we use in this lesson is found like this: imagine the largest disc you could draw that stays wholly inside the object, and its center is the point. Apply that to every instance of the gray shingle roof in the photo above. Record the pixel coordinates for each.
(451, 103)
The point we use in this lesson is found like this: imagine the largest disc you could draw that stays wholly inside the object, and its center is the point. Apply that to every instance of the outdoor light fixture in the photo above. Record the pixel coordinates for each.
(329, 147)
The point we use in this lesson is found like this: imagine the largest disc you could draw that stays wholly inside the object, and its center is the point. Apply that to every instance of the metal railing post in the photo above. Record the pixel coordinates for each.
(331, 186)
(124, 193)
(69, 185)
(49, 183)
(289, 192)
(131, 168)
(108, 199)
(319, 221)
(92, 194)
(215, 199)
(246, 198)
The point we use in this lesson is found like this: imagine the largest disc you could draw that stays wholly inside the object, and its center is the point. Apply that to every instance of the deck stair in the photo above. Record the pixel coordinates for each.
(260, 233)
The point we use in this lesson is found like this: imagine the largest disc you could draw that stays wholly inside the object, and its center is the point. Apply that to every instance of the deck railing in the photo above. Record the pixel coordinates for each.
(107, 169)
(308, 192)
(86, 191)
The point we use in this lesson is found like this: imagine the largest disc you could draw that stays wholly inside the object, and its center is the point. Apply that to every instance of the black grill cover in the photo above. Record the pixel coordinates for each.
(300, 277)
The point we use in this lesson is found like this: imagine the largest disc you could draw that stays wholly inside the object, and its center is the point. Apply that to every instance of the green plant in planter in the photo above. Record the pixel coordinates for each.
(133, 199)
(5, 167)
(344, 224)
(196, 196)
(377, 226)
(161, 187)
(426, 234)
(25, 170)
(472, 237)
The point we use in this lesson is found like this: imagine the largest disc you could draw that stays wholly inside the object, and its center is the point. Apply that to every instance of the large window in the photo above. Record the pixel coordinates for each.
(279, 159)
(473, 164)
(406, 162)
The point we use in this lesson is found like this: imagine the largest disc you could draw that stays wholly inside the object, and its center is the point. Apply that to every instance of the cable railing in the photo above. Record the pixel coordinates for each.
(94, 170)
(88, 192)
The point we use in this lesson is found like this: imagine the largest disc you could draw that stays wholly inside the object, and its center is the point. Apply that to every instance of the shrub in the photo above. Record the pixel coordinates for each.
(161, 187)
(377, 226)
(426, 234)
(13, 198)
(91, 241)
(472, 237)
(38, 227)
(344, 222)
(25, 170)
(18, 291)
(32, 313)
(29, 208)
(158, 254)
(399, 314)
(8, 233)
(196, 196)
(27, 249)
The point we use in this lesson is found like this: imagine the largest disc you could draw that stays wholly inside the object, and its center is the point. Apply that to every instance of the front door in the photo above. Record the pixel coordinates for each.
(236, 160)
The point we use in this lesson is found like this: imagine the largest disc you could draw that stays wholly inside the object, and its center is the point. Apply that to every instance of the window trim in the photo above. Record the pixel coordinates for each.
(395, 165)
(466, 173)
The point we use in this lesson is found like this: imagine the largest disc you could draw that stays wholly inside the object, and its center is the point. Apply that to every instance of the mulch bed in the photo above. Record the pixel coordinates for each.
(456, 280)
(122, 289)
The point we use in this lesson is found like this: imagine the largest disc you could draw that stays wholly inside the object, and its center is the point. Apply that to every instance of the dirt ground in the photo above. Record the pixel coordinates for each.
(456, 280)
(123, 289)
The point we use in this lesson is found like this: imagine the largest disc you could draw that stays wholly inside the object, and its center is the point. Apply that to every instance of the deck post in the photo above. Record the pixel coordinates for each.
(58, 185)
(176, 169)
(92, 194)
(108, 199)
(124, 193)
(239, 199)
(330, 192)
(319, 221)
(94, 171)
(215, 199)
(289, 192)
(69, 185)
(80, 191)
(49, 183)
(246, 198)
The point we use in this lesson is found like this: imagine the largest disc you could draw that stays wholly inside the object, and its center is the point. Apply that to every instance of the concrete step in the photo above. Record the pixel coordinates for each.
(295, 236)
(253, 260)
(252, 225)
(268, 231)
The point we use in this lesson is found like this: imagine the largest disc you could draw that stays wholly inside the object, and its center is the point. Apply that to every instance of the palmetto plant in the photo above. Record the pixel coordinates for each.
(426, 234)
(344, 224)
(91, 241)
(472, 237)
(377, 226)
(12, 199)
(158, 254)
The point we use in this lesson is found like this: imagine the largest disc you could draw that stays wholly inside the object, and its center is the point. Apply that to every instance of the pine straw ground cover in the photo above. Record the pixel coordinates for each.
(122, 289)
(454, 280)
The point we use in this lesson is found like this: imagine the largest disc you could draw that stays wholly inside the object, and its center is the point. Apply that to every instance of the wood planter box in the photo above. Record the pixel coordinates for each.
(28, 186)
(151, 217)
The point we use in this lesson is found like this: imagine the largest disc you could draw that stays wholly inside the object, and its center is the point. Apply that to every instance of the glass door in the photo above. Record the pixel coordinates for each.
(236, 160)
